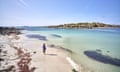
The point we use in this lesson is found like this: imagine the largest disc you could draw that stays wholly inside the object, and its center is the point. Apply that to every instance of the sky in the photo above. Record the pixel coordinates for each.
(55, 12)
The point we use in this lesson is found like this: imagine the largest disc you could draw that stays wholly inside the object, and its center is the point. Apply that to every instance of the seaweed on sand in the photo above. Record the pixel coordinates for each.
(24, 61)
(60, 47)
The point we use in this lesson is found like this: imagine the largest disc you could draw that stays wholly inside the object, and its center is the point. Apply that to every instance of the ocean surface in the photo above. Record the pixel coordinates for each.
(107, 41)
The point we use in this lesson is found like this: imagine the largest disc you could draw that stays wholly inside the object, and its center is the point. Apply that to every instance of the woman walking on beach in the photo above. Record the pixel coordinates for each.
(44, 48)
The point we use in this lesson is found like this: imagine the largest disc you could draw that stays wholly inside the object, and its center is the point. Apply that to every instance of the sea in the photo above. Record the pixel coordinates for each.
(106, 40)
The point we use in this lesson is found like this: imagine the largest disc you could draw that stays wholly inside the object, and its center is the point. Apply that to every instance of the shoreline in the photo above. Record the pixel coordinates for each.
(71, 61)
(28, 52)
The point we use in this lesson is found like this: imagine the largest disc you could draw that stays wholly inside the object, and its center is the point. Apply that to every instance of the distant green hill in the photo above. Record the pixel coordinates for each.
(85, 25)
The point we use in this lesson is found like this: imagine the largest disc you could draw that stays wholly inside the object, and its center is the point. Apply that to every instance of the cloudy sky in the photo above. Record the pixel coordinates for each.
(53, 12)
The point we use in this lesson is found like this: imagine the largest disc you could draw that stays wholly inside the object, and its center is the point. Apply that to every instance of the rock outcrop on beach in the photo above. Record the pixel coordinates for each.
(12, 57)
(85, 25)
(8, 30)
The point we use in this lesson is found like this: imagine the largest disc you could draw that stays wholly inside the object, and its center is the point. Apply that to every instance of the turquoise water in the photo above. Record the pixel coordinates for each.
(80, 40)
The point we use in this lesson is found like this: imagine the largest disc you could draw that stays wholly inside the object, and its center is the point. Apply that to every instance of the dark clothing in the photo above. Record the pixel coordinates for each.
(44, 48)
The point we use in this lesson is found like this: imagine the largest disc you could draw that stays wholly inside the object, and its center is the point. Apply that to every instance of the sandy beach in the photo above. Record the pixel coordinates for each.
(25, 55)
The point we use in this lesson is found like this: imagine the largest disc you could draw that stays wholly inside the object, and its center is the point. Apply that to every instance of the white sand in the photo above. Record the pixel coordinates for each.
(54, 60)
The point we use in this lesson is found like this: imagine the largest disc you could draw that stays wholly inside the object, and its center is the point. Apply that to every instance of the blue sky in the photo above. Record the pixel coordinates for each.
(54, 12)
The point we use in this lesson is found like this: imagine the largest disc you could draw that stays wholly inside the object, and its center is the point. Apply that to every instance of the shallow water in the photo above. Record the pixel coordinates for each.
(80, 40)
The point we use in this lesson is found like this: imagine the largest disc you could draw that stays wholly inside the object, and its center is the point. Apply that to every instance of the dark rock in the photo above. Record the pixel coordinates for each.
(98, 50)
(0, 50)
(52, 45)
(5, 52)
(1, 59)
(102, 58)
(68, 50)
(55, 35)
(108, 51)
(60, 47)
(34, 52)
(40, 37)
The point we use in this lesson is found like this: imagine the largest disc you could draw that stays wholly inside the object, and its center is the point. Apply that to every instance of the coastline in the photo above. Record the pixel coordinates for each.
(54, 61)
(58, 54)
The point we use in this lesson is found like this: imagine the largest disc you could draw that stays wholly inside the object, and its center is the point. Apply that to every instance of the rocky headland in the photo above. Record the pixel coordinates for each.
(85, 25)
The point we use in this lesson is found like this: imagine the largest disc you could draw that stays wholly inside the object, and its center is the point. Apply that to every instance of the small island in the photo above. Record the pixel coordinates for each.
(85, 25)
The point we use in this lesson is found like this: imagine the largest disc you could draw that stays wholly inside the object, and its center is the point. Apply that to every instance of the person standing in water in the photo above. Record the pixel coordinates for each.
(44, 48)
